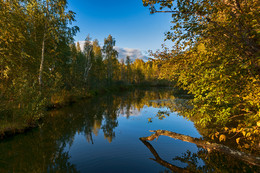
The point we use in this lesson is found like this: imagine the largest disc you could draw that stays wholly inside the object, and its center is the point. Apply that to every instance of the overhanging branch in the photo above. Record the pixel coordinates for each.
(253, 160)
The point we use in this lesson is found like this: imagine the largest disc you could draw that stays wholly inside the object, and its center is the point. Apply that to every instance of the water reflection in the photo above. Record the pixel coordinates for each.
(101, 135)
(162, 162)
(214, 161)
(43, 149)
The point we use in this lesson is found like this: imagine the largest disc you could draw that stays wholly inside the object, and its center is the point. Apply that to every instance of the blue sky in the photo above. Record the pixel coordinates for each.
(128, 21)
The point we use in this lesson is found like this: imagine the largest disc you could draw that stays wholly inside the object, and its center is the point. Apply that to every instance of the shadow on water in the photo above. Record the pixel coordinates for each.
(101, 135)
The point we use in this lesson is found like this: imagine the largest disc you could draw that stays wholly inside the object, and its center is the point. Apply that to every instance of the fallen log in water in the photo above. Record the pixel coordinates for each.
(162, 162)
(253, 160)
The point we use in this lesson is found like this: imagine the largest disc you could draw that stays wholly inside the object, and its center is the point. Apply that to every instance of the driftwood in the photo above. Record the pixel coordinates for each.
(162, 162)
(253, 160)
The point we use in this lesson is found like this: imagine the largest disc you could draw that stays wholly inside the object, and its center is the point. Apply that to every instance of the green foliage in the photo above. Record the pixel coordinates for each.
(215, 58)
(33, 34)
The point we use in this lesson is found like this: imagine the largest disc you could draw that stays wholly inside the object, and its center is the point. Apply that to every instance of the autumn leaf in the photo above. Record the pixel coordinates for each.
(222, 138)
(237, 140)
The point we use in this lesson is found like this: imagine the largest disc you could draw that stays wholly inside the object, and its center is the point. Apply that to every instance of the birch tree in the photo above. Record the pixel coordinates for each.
(88, 51)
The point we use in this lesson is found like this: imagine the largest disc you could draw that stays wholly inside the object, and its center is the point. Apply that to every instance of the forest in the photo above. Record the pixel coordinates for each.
(215, 59)
(41, 66)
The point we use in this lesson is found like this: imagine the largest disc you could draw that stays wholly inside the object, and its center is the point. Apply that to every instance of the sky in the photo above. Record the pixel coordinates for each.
(135, 30)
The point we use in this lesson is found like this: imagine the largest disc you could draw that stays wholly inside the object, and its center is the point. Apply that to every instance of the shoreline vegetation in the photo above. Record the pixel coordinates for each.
(96, 123)
(14, 128)
(215, 57)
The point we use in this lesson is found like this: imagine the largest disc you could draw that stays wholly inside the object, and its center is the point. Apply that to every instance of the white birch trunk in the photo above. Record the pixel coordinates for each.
(42, 60)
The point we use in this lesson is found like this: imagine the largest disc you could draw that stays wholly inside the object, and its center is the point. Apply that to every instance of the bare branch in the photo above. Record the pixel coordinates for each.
(162, 162)
(205, 144)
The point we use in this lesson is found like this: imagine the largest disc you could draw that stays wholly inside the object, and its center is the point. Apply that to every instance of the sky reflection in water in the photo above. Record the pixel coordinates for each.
(125, 152)
(102, 135)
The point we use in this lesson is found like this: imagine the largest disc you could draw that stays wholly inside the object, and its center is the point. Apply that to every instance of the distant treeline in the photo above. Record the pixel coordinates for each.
(97, 66)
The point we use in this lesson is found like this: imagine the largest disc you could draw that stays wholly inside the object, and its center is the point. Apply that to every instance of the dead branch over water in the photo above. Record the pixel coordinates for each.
(253, 160)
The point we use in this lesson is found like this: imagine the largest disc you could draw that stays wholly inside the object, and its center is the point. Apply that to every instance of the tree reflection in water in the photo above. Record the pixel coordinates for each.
(213, 162)
(45, 149)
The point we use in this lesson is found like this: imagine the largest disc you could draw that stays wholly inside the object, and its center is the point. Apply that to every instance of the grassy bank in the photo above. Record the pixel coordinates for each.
(26, 112)
(17, 119)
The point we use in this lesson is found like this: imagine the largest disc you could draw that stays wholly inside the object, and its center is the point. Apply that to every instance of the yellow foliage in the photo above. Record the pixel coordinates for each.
(246, 146)
(60, 97)
(222, 138)
(244, 133)
(212, 137)
(237, 140)
(6, 71)
(248, 134)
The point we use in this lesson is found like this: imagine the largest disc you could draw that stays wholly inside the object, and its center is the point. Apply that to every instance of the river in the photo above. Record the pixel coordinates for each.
(102, 135)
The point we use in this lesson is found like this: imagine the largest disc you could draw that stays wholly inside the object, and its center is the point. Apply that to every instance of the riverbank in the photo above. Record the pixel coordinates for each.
(21, 123)
(107, 124)
(58, 100)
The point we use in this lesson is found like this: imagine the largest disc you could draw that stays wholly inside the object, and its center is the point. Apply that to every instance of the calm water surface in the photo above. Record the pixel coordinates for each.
(102, 135)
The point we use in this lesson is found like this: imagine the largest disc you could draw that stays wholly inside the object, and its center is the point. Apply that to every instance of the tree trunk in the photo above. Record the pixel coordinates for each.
(253, 160)
(161, 161)
(87, 69)
(87, 66)
(43, 44)
(42, 60)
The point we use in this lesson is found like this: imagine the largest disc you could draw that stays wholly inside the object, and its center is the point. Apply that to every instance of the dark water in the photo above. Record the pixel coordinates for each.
(102, 135)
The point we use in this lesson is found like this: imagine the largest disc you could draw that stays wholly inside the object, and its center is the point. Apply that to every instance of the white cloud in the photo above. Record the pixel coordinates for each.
(81, 43)
(124, 52)
(132, 53)
(133, 112)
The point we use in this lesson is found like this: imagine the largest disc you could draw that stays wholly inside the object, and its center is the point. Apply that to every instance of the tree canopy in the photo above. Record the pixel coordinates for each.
(216, 58)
